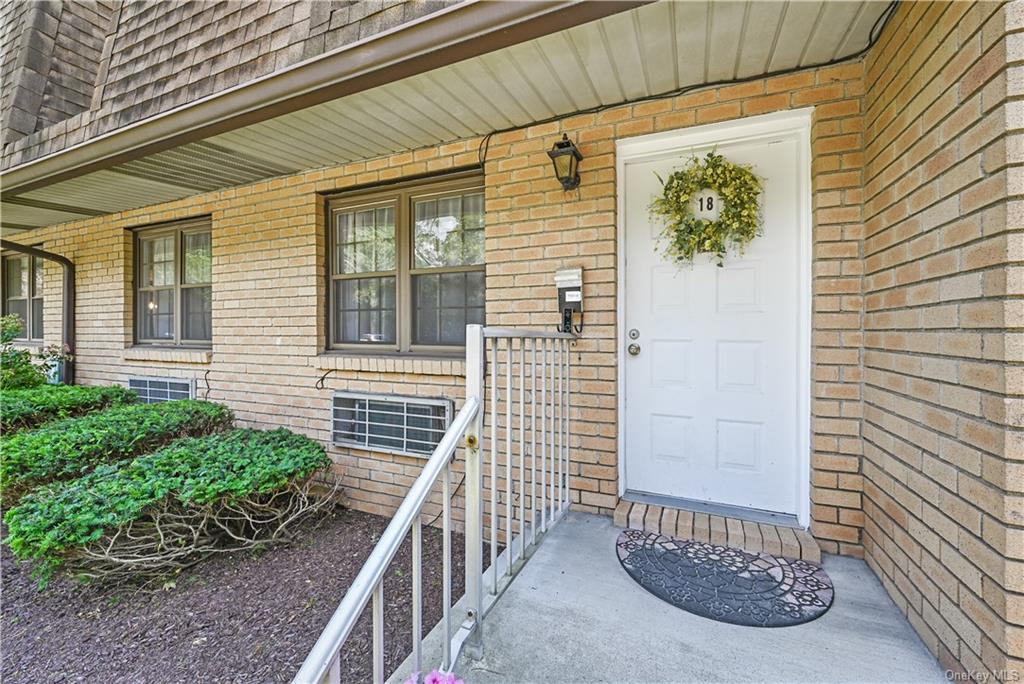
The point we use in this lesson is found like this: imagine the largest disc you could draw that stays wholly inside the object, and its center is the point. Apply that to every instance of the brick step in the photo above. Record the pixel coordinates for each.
(750, 536)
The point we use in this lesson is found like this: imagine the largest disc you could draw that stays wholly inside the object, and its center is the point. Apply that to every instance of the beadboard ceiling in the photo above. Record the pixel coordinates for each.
(650, 50)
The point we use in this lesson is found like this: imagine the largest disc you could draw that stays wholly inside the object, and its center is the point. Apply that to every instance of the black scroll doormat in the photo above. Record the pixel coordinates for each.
(724, 583)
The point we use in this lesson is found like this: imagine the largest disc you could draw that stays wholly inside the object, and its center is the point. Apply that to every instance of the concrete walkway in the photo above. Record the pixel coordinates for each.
(574, 615)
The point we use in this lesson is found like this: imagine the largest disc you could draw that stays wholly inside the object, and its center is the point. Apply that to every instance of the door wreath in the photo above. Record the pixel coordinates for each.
(709, 207)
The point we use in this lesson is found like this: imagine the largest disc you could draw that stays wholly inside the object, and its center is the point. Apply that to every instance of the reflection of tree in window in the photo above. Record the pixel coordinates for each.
(23, 293)
(175, 294)
(365, 306)
(423, 295)
(449, 234)
(449, 231)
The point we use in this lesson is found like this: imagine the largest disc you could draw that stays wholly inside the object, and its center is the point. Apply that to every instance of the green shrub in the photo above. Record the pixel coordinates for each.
(16, 367)
(70, 447)
(25, 408)
(61, 521)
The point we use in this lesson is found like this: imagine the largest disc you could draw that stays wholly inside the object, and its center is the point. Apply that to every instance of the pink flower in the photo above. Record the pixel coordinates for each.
(436, 677)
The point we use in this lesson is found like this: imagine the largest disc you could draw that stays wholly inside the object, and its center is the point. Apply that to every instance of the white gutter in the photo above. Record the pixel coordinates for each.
(456, 33)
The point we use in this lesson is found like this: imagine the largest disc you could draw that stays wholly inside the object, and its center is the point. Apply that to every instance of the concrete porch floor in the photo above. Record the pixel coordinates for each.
(574, 615)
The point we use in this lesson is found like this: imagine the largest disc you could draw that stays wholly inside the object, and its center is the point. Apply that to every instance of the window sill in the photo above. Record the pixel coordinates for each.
(165, 354)
(392, 363)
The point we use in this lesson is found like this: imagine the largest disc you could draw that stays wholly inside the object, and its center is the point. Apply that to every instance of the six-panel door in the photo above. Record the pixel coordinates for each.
(711, 397)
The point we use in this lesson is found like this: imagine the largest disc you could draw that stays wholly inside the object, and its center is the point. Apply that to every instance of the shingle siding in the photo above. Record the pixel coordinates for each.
(52, 56)
(101, 66)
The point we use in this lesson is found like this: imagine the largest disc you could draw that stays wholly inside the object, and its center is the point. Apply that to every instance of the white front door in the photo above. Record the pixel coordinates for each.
(715, 399)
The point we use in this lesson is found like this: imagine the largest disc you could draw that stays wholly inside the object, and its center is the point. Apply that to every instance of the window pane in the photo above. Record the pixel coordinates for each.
(364, 310)
(473, 229)
(19, 307)
(37, 281)
(157, 261)
(37, 318)
(445, 304)
(198, 258)
(449, 231)
(196, 310)
(16, 277)
(365, 241)
(425, 291)
(156, 310)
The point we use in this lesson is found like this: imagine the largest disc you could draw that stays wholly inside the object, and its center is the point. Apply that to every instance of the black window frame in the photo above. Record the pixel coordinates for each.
(177, 229)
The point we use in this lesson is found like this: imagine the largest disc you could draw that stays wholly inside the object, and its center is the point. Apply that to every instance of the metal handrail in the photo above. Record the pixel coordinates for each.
(519, 333)
(544, 358)
(326, 649)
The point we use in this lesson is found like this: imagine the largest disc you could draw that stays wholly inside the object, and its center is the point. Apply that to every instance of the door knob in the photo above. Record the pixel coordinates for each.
(633, 349)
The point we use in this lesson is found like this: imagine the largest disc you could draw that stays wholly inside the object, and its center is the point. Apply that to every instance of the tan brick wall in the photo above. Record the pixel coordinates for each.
(269, 257)
(918, 321)
(535, 228)
(943, 381)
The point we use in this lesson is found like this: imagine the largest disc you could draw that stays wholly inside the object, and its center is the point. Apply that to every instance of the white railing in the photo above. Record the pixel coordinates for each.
(527, 464)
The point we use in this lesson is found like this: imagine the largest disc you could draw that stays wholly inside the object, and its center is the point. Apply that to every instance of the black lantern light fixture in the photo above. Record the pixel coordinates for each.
(566, 158)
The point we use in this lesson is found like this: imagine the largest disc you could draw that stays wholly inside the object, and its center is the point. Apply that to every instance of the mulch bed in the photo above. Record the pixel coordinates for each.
(233, 618)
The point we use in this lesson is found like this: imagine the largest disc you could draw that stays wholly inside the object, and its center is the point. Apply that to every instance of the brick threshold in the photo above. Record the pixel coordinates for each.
(753, 537)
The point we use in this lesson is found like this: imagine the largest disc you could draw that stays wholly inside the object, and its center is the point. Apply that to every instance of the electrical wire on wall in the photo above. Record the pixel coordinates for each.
(485, 142)
(873, 36)
(320, 383)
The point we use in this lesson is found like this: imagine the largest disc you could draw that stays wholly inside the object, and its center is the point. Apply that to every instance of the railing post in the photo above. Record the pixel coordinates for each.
(475, 353)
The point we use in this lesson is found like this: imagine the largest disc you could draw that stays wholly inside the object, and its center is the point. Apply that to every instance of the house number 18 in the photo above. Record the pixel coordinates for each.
(706, 204)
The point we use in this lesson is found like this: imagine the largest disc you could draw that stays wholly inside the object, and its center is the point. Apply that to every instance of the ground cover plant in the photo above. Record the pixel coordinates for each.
(68, 448)
(161, 512)
(26, 408)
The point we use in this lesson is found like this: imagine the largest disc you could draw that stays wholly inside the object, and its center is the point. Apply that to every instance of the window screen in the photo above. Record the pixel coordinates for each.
(405, 425)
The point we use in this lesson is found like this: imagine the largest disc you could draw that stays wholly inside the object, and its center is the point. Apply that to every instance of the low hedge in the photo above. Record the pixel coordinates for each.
(68, 448)
(26, 408)
(161, 511)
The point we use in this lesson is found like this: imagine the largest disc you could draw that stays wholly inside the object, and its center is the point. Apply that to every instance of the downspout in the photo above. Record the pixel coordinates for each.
(68, 319)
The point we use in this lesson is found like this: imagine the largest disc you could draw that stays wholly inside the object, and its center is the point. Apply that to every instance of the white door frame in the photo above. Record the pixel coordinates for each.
(794, 123)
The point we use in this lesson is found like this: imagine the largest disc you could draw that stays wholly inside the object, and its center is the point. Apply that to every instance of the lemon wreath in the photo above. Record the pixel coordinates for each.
(739, 212)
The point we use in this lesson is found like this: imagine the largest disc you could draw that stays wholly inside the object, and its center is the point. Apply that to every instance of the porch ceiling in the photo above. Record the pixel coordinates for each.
(646, 51)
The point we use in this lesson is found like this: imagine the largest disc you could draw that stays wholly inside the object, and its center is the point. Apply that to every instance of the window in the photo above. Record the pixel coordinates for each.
(173, 275)
(407, 266)
(23, 293)
(403, 425)
(155, 390)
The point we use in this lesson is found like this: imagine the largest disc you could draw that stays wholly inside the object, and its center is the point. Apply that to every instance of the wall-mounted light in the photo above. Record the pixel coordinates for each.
(565, 157)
